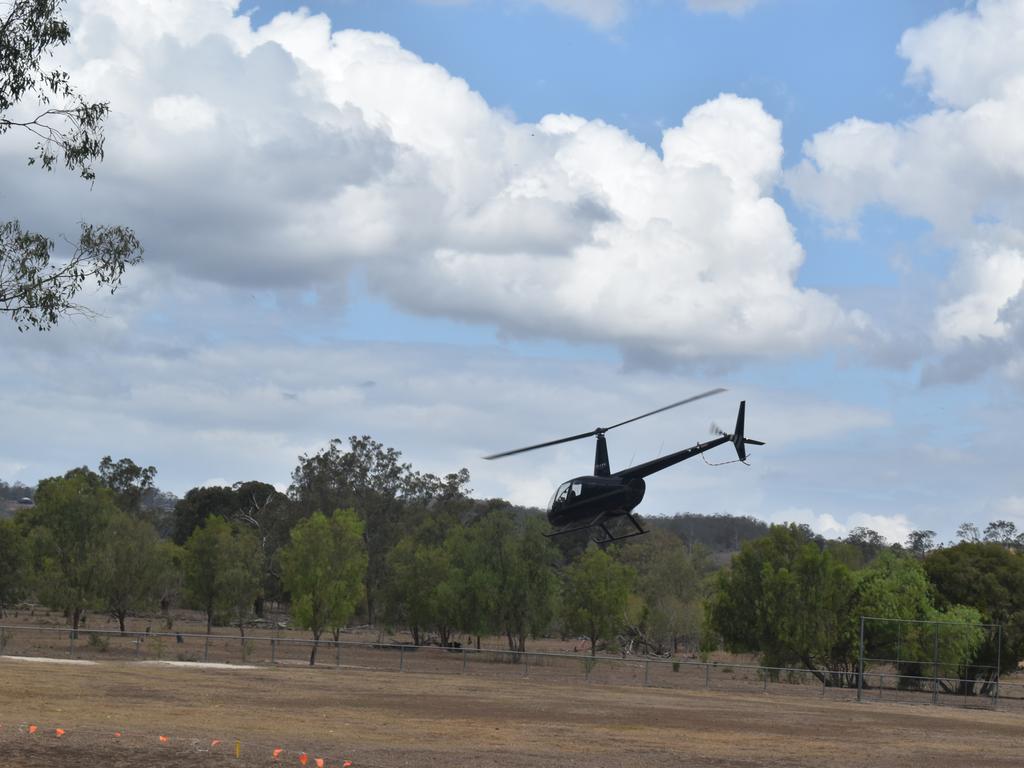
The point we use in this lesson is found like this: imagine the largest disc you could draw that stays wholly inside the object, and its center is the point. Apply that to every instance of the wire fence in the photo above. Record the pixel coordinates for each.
(880, 684)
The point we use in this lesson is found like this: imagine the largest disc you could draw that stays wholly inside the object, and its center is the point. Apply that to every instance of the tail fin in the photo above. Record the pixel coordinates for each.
(740, 442)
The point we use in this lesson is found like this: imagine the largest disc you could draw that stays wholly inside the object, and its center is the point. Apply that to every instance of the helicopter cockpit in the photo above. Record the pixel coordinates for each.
(565, 493)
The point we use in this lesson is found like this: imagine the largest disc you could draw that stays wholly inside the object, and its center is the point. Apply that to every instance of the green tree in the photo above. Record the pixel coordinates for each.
(13, 562)
(323, 567)
(34, 291)
(133, 567)
(70, 527)
(595, 596)
(670, 580)
(418, 594)
(241, 577)
(390, 498)
(200, 504)
(789, 600)
(128, 481)
(990, 578)
(222, 569)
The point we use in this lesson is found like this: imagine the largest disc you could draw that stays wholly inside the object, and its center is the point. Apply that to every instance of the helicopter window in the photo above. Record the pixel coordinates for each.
(561, 493)
(577, 490)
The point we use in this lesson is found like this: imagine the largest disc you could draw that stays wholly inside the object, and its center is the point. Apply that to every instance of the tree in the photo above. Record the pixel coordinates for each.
(515, 562)
(669, 580)
(128, 481)
(33, 291)
(920, 543)
(417, 593)
(323, 567)
(390, 498)
(222, 570)
(1002, 532)
(990, 578)
(13, 561)
(595, 596)
(198, 505)
(134, 567)
(70, 527)
(968, 532)
(790, 600)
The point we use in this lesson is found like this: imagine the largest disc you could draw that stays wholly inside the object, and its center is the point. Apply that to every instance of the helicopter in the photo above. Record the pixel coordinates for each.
(592, 501)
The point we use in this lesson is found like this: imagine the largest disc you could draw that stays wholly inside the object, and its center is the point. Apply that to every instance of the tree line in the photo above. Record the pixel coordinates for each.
(361, 537)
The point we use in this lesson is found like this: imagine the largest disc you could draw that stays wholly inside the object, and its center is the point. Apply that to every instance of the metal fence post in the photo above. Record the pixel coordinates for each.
(526, 665)
(401, 658)
(999, 662)
(764, 674)
(337, 653)
(935, 668)
(137, 646)
(71, 644)
(707, 675)
(463, 661)
(860, 663)
(647, 671)
(206, 648)
(273, 650)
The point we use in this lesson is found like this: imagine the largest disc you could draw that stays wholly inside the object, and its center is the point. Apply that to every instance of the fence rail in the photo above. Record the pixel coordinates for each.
(889, 686)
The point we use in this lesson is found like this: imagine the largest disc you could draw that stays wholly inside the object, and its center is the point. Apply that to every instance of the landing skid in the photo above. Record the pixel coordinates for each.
(599, 522)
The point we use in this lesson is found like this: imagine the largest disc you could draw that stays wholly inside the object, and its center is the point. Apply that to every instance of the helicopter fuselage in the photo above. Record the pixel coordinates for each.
(589, 496)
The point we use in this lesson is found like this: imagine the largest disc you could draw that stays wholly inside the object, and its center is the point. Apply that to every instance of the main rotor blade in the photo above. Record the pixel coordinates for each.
(709, 393)
(591, 433)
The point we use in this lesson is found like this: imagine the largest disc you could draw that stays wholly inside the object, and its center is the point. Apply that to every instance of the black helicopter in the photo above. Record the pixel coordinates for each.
(593, 500)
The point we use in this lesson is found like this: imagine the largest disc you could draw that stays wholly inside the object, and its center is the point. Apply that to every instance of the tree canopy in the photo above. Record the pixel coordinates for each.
(36, 289)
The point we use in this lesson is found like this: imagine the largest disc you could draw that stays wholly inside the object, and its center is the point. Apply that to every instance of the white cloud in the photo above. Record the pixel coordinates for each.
(895, 528)
(284, 155)
(959, 167)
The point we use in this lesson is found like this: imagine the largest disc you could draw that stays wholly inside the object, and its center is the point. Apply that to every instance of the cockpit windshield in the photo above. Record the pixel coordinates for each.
(566, 492)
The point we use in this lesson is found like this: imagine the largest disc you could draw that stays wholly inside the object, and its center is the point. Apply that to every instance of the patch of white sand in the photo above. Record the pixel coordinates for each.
(198, 664)
(46, 660)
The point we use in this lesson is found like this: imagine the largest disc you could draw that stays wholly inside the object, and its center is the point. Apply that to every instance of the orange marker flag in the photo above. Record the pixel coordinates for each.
(215, 742)
(347, 764)
(277, 753)
(117, 734)
(59, 731)
(164, 739)
(319, 762)
(32, 729)
(303, 758)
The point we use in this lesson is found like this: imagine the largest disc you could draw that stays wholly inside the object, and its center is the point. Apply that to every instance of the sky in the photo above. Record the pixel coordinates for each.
(462, 226)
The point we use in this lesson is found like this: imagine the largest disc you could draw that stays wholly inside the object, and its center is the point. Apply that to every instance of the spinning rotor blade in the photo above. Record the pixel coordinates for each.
(601, 430)
(710, 392)
(591, 433)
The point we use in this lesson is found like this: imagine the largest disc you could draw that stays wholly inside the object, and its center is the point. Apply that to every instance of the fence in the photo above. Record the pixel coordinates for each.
(876, 685)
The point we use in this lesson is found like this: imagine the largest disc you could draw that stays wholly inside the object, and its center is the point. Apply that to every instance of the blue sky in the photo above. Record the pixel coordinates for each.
(455, 226)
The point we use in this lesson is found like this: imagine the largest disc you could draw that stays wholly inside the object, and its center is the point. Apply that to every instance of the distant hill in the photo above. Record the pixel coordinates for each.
(719, 533)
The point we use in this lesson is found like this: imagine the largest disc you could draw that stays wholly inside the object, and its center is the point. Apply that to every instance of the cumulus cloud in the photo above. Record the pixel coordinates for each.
(284, 155)
(894, 528)
(959, 167)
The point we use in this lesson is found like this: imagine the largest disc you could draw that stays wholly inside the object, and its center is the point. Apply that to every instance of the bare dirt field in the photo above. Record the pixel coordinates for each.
(376, 718)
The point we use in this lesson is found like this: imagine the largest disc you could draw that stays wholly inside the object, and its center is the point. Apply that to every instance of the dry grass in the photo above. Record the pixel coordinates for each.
(392, 719)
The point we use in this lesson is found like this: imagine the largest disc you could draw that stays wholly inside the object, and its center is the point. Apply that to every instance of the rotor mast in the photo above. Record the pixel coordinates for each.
(601, 466)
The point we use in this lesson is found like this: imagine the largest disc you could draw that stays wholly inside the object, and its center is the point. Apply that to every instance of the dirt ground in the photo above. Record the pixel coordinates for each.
(385, 719)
